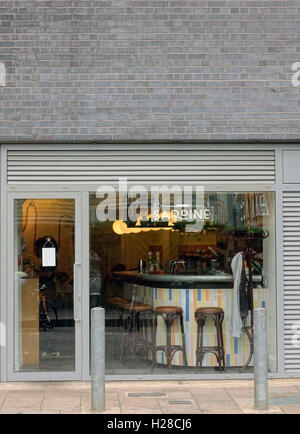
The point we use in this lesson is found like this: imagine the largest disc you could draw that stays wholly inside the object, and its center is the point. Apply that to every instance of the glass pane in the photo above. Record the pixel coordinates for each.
(44, 337)
(153, 271)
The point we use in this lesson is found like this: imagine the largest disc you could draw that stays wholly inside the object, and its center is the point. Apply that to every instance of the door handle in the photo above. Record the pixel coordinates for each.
(77, 297)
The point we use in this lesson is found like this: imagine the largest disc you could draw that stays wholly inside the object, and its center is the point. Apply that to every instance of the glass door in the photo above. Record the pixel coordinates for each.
(45, 286)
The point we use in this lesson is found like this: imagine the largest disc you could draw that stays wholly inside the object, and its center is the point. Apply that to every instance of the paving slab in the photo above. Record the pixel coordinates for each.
(109, 411)
(141, 403)
(220, 411)
(284, 400)
(112, 405)
(290, 409)
(138, 410)
(178, 395)
(67, 400)
(179, 405)
(283, 391)
(182, 411)
(220, 406)
(271, 410)
(240, 392)
(28, 411)
(42, 385)
(247, 406)
(3, 395)
(211, 395)
(23, 400)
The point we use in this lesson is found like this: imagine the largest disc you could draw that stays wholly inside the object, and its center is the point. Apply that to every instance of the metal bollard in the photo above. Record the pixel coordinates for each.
(260, 360)
(98, 358)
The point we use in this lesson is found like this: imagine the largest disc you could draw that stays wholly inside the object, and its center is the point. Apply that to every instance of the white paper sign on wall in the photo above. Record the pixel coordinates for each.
(48, 257)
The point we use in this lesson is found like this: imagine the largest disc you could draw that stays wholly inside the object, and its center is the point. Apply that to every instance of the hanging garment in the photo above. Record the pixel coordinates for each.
(244, 295)
(239, 304)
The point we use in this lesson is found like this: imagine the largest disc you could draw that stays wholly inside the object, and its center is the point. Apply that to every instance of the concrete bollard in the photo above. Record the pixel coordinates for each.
(98, 358)
(260, 360)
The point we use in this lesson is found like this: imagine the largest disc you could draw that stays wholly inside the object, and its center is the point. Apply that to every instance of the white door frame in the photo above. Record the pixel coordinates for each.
(35, 375)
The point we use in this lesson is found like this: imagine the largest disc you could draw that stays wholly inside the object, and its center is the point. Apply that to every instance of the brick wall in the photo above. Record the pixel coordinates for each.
(148, 69)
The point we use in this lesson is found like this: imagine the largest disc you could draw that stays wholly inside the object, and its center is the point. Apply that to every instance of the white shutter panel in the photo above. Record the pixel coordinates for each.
(146, 164)
(291, 274)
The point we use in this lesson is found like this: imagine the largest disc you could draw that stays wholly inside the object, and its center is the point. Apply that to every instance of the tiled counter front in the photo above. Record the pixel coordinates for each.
(236, 350)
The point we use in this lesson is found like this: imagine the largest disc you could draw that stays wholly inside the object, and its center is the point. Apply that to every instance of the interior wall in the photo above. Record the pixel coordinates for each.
(53, 217)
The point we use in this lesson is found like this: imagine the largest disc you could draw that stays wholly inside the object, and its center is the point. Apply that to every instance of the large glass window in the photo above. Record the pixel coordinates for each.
(155, 263)
(44, 249)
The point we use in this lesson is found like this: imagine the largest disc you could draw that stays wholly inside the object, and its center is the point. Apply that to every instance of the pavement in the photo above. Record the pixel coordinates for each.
(149, 397)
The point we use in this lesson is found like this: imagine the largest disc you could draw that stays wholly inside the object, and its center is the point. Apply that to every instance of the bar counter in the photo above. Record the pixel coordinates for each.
(183, 281)
(191, 292)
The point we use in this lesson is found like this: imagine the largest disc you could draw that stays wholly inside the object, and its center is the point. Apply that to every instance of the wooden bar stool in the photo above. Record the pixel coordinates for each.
(169, 315)
(217, 315)
(133, 336)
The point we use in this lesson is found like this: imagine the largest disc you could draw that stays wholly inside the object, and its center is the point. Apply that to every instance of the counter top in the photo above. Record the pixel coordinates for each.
(179, 280)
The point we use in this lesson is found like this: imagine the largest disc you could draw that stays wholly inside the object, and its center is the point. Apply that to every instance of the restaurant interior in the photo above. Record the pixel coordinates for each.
(168, 290)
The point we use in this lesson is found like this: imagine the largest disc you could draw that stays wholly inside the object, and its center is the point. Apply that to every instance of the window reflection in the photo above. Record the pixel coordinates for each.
(141, 269)
(44, 337)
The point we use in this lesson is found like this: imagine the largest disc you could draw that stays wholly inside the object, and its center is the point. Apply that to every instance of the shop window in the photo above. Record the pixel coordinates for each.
(180, 255)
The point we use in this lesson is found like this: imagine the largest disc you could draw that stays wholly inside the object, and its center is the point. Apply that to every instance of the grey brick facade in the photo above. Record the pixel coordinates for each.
(127, 70)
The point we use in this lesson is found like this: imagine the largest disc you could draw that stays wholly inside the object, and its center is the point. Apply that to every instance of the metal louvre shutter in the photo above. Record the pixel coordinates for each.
(141, 164)
(291, 274)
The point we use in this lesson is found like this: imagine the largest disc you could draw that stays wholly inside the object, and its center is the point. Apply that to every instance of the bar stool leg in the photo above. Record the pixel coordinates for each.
(168, 321)
(135, 331)
(183, 340)
(216, 319)
(108, 338)
(153, 345)
(147, 327)
(123, 324)
(199, 351)
(202, 323)
(116, 335)
(222, 341)
(197, 344)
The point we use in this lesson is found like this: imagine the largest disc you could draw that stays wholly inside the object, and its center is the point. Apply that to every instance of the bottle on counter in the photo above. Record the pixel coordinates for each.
(157, 262)
(150, 264)
(141, 266)
(198, 262)
(204, 262)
